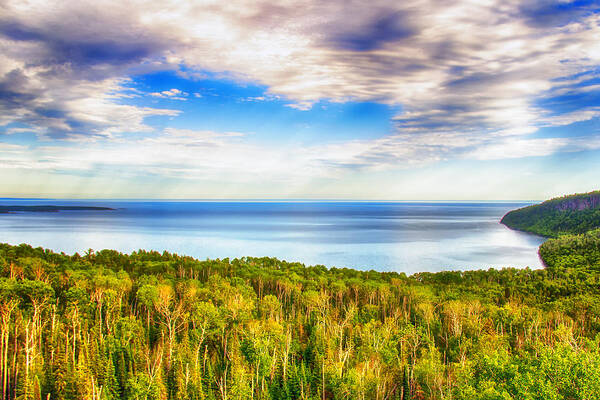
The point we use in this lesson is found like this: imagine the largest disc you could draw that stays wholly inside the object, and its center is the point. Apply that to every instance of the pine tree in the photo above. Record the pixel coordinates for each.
(121, 372)
(293, 383)
(110, 382)
(208, 379)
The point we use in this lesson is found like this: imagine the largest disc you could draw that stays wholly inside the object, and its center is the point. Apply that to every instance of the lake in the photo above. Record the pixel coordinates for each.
(385, 236)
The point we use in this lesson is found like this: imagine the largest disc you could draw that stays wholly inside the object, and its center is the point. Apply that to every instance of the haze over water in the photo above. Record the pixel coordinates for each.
(404, 237)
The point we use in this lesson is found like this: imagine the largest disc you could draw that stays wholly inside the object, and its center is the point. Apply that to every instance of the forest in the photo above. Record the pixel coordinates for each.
(572, 214)
(572, 251)
(149, 325)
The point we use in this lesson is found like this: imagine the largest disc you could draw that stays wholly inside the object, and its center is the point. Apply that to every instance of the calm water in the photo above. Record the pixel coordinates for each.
(408, 237)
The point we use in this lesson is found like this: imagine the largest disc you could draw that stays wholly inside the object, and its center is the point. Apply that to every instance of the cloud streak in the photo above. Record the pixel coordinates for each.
(203, 156)
(469, 76)
(173, 94)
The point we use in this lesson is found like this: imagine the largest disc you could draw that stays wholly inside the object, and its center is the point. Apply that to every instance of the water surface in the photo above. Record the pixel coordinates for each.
(402, 236)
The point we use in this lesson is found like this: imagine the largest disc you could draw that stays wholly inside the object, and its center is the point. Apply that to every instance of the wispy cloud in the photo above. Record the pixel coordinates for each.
(173, 94)
(201, 156)
(468, 75)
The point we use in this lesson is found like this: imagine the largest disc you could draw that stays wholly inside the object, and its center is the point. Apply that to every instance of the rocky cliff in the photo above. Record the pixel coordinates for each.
(577, 202)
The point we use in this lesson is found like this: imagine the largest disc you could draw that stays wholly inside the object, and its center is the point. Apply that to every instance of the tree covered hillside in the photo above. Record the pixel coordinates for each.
(572, 214)
(573, 251)
(160, 326)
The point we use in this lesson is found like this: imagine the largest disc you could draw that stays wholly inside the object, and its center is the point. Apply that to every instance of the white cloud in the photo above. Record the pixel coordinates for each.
(302, 106)
(200, 156)
(518, 148)
(466, 74)
(584, 114)
(268, 97)
(173, 94)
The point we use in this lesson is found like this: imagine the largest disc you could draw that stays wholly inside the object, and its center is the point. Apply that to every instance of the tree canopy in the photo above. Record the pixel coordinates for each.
(151, 325)
(573, 214)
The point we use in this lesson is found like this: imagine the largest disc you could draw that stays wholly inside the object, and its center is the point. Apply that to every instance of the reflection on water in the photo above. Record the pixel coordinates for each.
(406, 237)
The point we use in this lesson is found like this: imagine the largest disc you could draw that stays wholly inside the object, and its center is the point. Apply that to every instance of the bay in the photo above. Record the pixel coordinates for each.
(385, 236)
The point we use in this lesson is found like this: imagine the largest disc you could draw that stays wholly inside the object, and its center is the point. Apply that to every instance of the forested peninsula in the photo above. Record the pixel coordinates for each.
(573, 225)
(573, 214)
(150, 325)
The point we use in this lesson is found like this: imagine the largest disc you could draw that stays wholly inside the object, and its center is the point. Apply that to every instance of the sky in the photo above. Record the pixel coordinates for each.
(337, 99)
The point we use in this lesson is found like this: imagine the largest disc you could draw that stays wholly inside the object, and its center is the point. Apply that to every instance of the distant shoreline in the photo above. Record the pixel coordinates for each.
(11, 209)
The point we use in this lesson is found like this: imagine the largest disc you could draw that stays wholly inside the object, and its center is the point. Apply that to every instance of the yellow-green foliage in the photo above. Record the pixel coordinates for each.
(160, 326)
(573, 251)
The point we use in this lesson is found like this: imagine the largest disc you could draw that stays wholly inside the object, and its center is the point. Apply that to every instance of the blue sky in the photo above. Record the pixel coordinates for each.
(303, 100)
(220, 104)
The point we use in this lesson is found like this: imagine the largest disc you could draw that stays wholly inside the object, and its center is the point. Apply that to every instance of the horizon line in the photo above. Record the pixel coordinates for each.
(269, 200)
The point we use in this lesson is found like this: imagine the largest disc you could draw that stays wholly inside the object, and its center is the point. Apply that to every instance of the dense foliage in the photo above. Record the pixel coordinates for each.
(573, 251)
(160, 326)
(572, 214)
